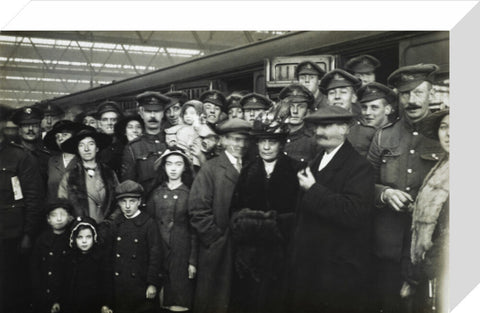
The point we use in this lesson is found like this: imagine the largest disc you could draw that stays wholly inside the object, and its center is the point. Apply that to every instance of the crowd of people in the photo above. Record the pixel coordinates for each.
(333, 198)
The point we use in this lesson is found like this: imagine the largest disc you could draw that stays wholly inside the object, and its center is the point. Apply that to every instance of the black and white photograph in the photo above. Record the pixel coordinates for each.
(225, 171)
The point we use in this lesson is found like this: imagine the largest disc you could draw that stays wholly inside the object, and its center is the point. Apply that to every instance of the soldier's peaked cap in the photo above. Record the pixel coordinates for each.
(296, 93)
(153, 100)
(215, 97)
(362, 64)
(52, 109)
(309, 68)
(255, 101)
(339, 78)
(373, 91)
(27, 115)
(177, 97)
(409, 77)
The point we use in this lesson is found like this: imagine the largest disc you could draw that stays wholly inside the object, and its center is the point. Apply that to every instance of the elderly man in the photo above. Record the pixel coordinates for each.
(253, 105)
(209, 208)
(340, 87)
(21, 215)
(140, 153)
(363, 67)
(108, 114)
(401, 157)
(28, 120)
(300, 144)
(309, 74)
(376, 102)
(213, 106)
(331, 244)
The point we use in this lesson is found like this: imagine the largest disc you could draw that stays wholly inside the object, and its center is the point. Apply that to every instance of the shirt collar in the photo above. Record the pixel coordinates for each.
(232, 159)
(134, 215)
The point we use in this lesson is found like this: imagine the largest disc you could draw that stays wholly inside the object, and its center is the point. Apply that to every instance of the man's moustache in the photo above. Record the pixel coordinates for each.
(413, 107)
(153, 120)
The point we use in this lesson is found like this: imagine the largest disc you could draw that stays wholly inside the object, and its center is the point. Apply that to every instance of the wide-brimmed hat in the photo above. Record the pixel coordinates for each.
(429, 125)
(120, 126)
(172, 151)
(59, 127)
(265, 127)
(101, 140)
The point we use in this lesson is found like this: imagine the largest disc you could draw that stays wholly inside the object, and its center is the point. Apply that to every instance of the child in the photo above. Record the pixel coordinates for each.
(49, 258)
(168, 206)
(88, 279)
(137, 253)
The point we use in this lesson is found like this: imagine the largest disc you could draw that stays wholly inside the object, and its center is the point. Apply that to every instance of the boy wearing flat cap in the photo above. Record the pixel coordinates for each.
(309, 74)
(140, 153)
(209, 208)
(334, 211)
(402, 157)
(363, 67)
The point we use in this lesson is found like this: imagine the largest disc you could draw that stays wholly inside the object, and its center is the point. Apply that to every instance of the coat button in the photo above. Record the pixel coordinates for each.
(117, 273)
(48, 290)
(302, 160)
(135, 240)
(415, 133)
(133, 274)
(434, 155)
(407, 188)
(50, 253)
(289, 140)
(118, 255)
(43, 259)
(285, 152)
(119, 238)
(165, 196)
(409, 171)
(175, 197)
(134, 256)
(384, 161)
(157, 141)
(412, 151)
(49, 273)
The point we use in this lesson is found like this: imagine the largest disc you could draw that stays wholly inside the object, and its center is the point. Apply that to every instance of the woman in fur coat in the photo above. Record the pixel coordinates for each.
(262, 223)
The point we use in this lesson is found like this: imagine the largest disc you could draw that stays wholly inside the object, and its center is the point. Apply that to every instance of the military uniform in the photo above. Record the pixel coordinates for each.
(361, 136)
(321, 101)
(301, 145)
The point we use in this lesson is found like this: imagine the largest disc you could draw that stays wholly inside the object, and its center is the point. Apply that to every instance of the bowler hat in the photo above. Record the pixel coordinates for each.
(429, 125)
(128, 188)
(409, 77)
(309, 68)
(329, 115)
(59, 127)
(27, 115)
(362, 64)
(339, 78)
(101, 140)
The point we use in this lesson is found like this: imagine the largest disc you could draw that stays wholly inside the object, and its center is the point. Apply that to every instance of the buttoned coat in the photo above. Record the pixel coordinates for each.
(137, 261)
(331, 243)
(209, 208)
(361, 136)
(56, 170)
(301, 145)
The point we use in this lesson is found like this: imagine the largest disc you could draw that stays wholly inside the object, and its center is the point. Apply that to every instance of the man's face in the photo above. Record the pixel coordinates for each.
(129, 205)
(251, 114)
(366, 77)
(90, 121)
(269, 149)
(151, 117)
(235, 113)
(87, 149)
(29, 131)
(212, 112)
(107, 122)
(236, 144)
(173, 114)
(310, 81)
(415, 102)
(297, 113)
(342, 97)
(49, 120)
(330, 136)
(375, 113)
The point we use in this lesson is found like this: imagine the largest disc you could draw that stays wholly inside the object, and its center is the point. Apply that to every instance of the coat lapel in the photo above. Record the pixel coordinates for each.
(327, 173)
(230, 171)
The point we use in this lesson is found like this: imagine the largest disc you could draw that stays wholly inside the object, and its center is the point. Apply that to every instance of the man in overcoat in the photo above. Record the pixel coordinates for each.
(331, 243)
(209, 208)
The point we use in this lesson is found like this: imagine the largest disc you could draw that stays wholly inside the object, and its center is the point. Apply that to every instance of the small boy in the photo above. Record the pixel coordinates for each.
(137, 253)
(49, 257)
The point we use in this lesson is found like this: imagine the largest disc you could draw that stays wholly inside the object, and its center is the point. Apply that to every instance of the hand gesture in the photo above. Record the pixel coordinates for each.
(306, 179)
(397, 199)
(192, 271)
(151, 292)
(55, 308)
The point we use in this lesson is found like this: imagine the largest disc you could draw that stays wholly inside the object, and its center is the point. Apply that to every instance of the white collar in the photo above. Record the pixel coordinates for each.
(134, 215)
(269, 167)
(233, 159)
(327, 157)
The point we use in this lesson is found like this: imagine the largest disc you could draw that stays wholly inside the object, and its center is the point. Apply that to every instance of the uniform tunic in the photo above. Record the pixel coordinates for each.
(138, 158)
(301, 145)
(169, 209)
(137, 262)
(361, 136)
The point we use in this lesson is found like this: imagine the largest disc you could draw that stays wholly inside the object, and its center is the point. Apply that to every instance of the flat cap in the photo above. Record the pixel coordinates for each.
(255, 101)
(234, 125)
(128, 188)
(362, 64)
(153, 100)
(59, 203)
(296, 93)
(27, 115)
(52, 109)
(329, 115)
(177, 97)
(215, 97)
(101, 140)
(429, 125)
(373, 91)
(60, 127)
(409, 77)
(309, 68)
(339, 78)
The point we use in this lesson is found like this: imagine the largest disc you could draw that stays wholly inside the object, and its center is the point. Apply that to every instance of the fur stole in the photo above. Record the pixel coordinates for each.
(433, 195)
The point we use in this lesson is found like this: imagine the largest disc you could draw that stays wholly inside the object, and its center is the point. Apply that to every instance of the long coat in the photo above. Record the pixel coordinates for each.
(56, 170)
(264, 290)
(209, 207)
(331, 241)
(169, 209)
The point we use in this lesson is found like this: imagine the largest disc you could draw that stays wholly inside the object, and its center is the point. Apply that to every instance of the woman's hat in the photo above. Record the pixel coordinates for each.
(121, 126)
(429, 125)
(84, 221)
(101, 140)
(60, 127)
(172, 151)
(264, 126)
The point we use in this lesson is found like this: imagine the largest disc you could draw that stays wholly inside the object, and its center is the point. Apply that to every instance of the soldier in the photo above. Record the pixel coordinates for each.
(253, 105)
(363, 67)
(376, 102)
(21, 194)
(340, 86)
(209, 208)
(140, 153)
(401, 157)
(213, 106)
(52, 114)
(309, 74)
(174, 109)
(300, 144)
(108, 114)
(28, 120)
(234, 109)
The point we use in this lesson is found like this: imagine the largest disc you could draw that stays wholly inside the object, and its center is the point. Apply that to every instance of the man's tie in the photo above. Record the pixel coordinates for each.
(238, 165)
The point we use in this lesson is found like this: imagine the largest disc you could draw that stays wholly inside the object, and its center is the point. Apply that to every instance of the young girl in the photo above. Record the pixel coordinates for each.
(87, 284)
(168, 206)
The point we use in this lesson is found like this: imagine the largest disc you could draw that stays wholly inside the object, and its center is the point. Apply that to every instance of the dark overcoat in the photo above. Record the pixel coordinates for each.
(170, 211)
(56, 170)
(331, 241)
(137, 262)
(209, 208)
(265, 290)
